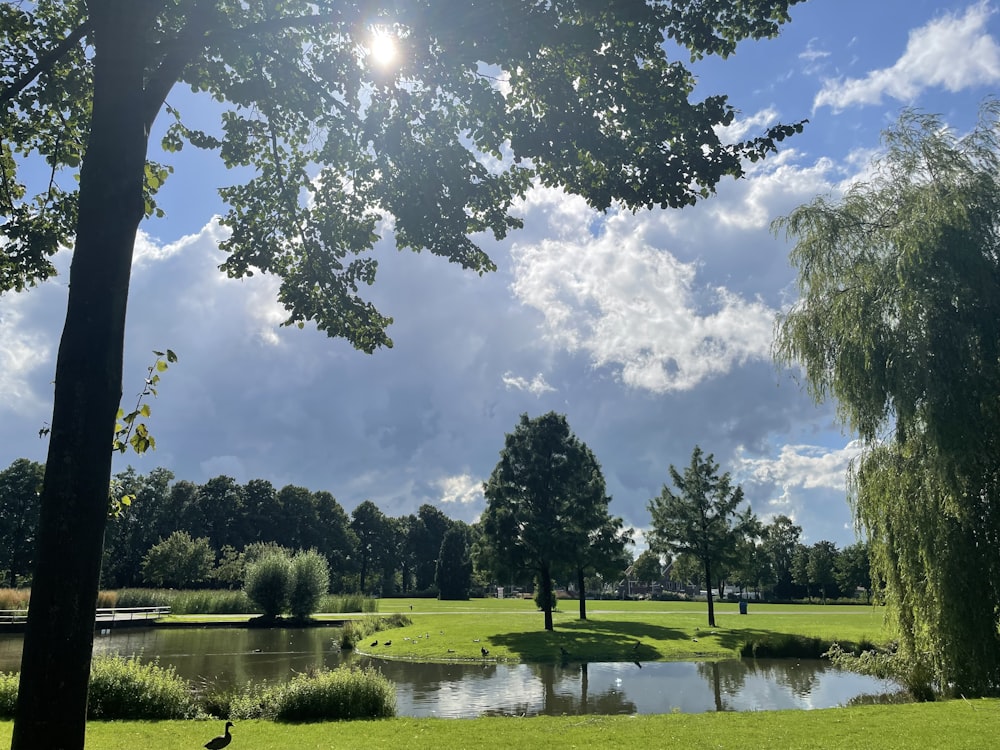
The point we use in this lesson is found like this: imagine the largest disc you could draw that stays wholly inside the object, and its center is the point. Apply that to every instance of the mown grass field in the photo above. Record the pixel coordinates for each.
(953, 725)
(512, 630)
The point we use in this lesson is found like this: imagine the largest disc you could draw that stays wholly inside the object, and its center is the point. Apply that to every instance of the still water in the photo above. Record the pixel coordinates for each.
(470, 689)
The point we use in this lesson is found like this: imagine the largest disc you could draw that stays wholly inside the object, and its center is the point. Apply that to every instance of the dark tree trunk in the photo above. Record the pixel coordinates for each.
(55, 665)
(708, 590)
(717, 686)
(583, 593)
(546, 584)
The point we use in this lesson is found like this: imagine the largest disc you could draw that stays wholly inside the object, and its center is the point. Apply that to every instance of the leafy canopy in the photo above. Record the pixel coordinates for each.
(899, 284)
(482, 98)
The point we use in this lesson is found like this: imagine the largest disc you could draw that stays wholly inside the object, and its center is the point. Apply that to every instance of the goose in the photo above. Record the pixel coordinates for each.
(485, 651)
(217, 743)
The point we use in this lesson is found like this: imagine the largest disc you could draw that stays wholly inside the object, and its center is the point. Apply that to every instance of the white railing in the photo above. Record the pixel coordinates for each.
(103, 615)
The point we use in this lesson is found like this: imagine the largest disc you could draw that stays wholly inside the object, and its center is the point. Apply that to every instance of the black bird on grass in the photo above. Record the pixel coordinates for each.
(217, 743)
(485, 651)
(563, 652)
(374, 644)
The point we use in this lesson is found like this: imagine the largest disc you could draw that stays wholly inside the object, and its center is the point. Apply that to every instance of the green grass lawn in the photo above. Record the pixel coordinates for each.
(952, 725)
(512, 630)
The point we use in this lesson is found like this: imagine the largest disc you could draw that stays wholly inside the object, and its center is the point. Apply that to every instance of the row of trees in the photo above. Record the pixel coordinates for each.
(547, 519)
(177, 533)
(771, 566)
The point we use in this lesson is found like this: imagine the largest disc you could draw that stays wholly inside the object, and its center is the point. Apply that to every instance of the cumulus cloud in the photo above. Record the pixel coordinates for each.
(639, 310)
(462, 488)
(22, 351)
(753, 125)
(953, 52)
(536, 386)
(803, 466)
(807, 483)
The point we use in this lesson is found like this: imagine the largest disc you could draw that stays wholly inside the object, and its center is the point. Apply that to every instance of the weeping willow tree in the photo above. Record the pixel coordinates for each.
(897, 320)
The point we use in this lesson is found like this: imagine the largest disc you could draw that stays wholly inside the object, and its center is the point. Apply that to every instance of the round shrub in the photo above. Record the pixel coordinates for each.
(268, 583)
(128, 689)
(310, 582)
(326, 695)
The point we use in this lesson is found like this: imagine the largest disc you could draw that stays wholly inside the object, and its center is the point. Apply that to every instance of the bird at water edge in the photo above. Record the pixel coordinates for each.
(217, 743)
(485, 651)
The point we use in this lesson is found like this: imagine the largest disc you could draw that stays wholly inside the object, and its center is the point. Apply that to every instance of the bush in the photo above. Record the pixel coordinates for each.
(8, 694)
(268, 583)
(914, 676)
(539, 601)
(325, 695)
(310, 581)
(178, 561)
(128, 689)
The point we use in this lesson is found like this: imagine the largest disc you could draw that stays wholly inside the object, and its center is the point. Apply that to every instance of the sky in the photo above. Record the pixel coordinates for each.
(650, 331)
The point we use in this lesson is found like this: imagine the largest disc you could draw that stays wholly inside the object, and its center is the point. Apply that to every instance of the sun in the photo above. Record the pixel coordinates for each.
(383, 48)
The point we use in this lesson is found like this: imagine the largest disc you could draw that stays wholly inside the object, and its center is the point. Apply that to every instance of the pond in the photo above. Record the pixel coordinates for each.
(228, 657)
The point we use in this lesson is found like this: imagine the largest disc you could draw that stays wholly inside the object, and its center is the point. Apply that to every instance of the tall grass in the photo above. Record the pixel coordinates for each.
(14, 598)
(357, 630)
(325, 695)
(348, 603)
(188, 602)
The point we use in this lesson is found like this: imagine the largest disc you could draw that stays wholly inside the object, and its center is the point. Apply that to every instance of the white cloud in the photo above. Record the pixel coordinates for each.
(639, 310)
(807, 483)
(462, 489)
(953, 52)
(740, 127)
(536, 386)
(803, 466)
(23, 349)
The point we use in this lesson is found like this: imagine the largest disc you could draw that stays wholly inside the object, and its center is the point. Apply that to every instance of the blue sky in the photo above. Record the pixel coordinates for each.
(650, 331)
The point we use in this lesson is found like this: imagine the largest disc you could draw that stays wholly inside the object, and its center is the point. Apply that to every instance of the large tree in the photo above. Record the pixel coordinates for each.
(484, 97)
(702, 518)
(897, 320)
(376, 535)
(780, 538)
(454, 564)
(544, 499)
(20, 487)
(604, 553)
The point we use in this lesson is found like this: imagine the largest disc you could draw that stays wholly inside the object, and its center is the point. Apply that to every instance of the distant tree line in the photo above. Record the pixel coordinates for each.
(546, 524)
(176, 533)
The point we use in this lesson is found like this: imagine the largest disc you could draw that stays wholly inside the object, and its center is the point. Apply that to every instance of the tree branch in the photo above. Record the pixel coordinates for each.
(45, 62)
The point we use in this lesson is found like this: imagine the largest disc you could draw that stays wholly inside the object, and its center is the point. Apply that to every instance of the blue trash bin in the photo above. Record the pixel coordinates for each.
(743, 606)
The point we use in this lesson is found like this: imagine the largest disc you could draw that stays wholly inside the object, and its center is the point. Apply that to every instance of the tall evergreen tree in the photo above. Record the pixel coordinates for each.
(454, 565)
(544, 499)
(701, 519)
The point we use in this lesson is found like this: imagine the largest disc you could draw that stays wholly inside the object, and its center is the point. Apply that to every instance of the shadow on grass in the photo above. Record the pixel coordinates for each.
(590, 640)
(764, 644)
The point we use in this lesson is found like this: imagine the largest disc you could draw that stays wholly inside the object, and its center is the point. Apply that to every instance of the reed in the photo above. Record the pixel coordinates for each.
(324, 695)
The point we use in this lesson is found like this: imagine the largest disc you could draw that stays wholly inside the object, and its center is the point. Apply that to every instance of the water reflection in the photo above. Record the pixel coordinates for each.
(464, 690)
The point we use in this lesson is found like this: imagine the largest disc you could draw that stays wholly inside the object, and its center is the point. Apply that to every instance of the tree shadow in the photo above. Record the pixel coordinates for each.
(602, 640)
